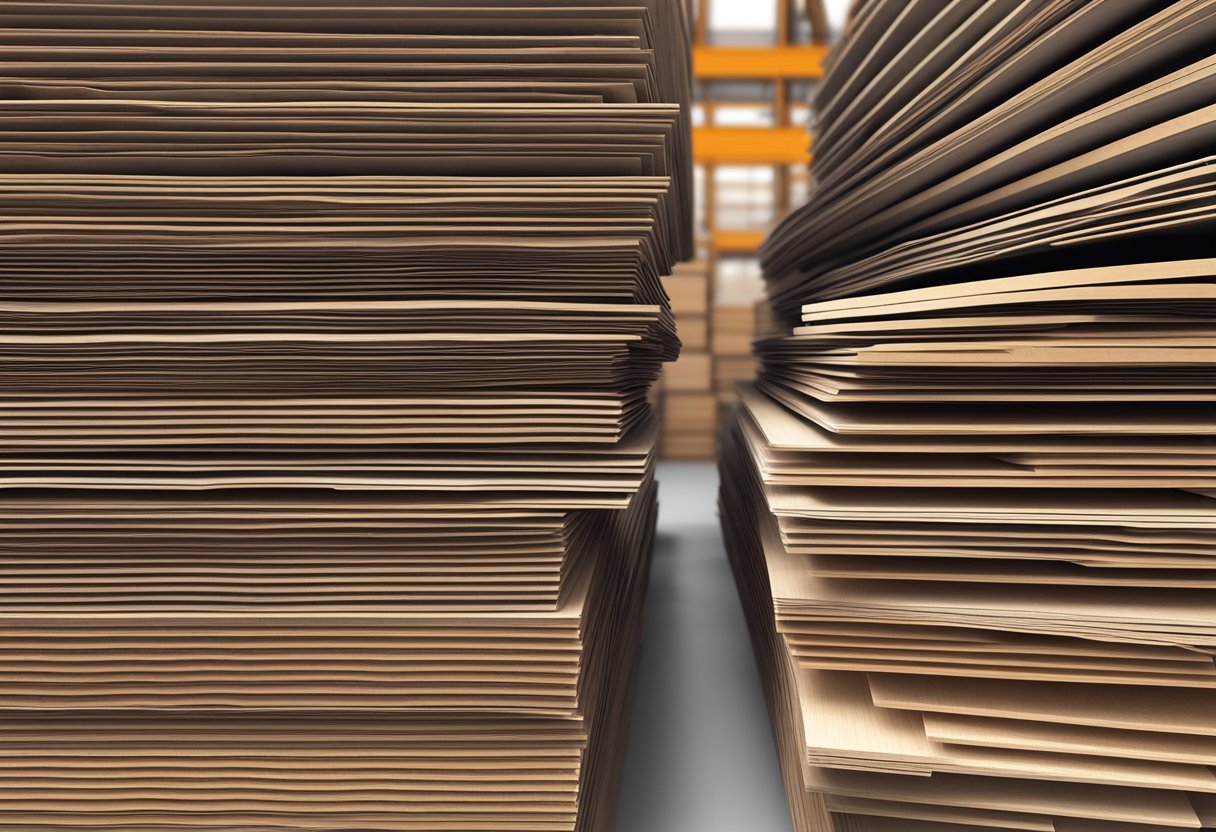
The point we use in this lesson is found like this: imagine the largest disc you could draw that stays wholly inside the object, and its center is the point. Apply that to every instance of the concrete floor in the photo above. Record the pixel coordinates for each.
(700, 755)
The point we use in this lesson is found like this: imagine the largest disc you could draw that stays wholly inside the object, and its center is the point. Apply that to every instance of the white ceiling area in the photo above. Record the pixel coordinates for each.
(762, 14)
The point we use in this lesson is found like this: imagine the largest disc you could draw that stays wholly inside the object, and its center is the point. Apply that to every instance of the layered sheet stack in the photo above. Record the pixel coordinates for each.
(327, 474)
(971, 497)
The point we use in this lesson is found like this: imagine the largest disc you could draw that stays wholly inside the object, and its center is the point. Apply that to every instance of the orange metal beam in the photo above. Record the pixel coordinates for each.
(737, 242)
(751, 145)
(737, 62)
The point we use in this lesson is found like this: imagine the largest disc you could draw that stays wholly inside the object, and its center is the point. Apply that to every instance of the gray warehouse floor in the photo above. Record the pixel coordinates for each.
(700, 756)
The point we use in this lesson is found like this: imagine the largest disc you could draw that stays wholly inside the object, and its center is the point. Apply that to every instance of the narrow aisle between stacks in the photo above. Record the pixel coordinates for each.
(700, 755)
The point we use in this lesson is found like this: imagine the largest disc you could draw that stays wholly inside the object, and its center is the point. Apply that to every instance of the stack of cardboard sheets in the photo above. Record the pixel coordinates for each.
(971, 497)
(326, 331)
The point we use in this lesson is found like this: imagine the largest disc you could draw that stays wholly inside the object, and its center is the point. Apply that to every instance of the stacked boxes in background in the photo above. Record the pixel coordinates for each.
(734, 329)
(688, 404)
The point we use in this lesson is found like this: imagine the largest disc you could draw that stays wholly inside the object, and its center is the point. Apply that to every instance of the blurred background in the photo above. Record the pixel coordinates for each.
(755, 21)
(756, 63)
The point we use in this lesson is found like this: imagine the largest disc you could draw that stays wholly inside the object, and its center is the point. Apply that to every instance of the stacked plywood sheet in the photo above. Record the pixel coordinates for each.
(971, 496)
(327, 473)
